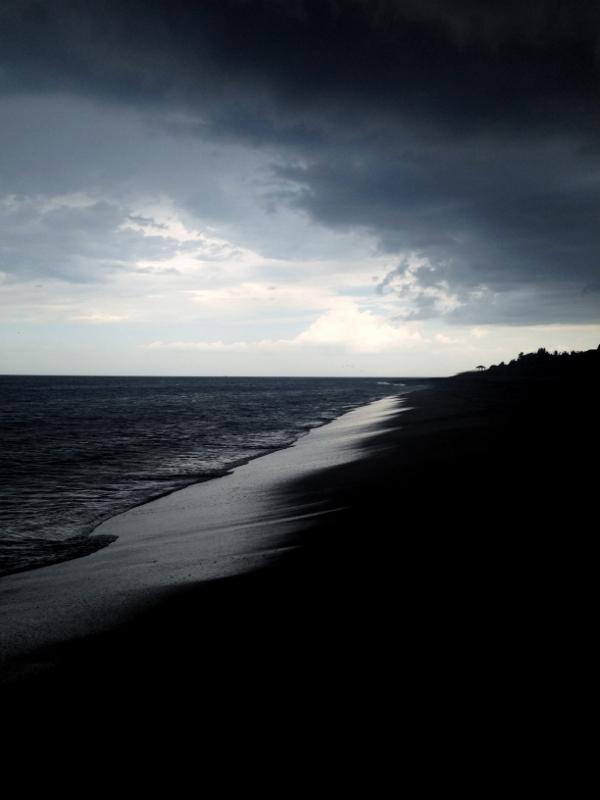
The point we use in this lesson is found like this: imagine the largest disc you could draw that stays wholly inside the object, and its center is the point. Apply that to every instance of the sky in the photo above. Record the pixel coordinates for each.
(297, 187)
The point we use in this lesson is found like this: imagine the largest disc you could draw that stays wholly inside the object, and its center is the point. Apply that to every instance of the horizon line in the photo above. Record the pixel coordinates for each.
(154, 375)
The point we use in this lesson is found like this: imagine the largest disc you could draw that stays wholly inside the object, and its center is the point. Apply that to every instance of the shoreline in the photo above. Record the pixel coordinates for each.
(90, 540)
(236, 465)
(225, 526)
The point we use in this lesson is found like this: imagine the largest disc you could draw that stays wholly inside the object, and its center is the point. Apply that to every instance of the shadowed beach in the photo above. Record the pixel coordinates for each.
(438, 565)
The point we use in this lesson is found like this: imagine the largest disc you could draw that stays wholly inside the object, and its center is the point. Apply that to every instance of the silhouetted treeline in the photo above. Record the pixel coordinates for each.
(544, 364)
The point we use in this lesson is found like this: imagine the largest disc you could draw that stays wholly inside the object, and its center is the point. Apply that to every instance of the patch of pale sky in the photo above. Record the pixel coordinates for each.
(323, 296)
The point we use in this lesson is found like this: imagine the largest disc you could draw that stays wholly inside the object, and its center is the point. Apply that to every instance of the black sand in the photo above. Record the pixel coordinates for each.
(445, 594)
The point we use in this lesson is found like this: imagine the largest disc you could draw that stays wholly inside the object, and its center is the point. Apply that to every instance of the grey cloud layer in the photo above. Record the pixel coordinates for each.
(466, 132)
(74, 244)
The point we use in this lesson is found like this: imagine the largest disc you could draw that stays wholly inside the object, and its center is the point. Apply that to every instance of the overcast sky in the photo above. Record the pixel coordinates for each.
(297, 187)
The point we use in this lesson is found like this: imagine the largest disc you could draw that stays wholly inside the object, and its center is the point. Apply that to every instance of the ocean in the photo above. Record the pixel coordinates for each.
(77, 450)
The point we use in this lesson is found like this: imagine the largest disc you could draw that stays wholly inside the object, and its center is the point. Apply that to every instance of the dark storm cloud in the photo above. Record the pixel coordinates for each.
(464, 131)
(500, 219)
(451, 63)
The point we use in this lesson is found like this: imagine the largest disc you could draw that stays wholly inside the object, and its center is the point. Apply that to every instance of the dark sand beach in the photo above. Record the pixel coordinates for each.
(426, 580)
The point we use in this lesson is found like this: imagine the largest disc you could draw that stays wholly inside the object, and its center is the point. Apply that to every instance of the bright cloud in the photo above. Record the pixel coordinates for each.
(359, 331)
(419, 289)
(97, 317)
(343, 326)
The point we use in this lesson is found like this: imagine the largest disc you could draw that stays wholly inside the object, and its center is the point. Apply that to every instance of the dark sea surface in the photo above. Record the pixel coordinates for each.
(77, 450)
